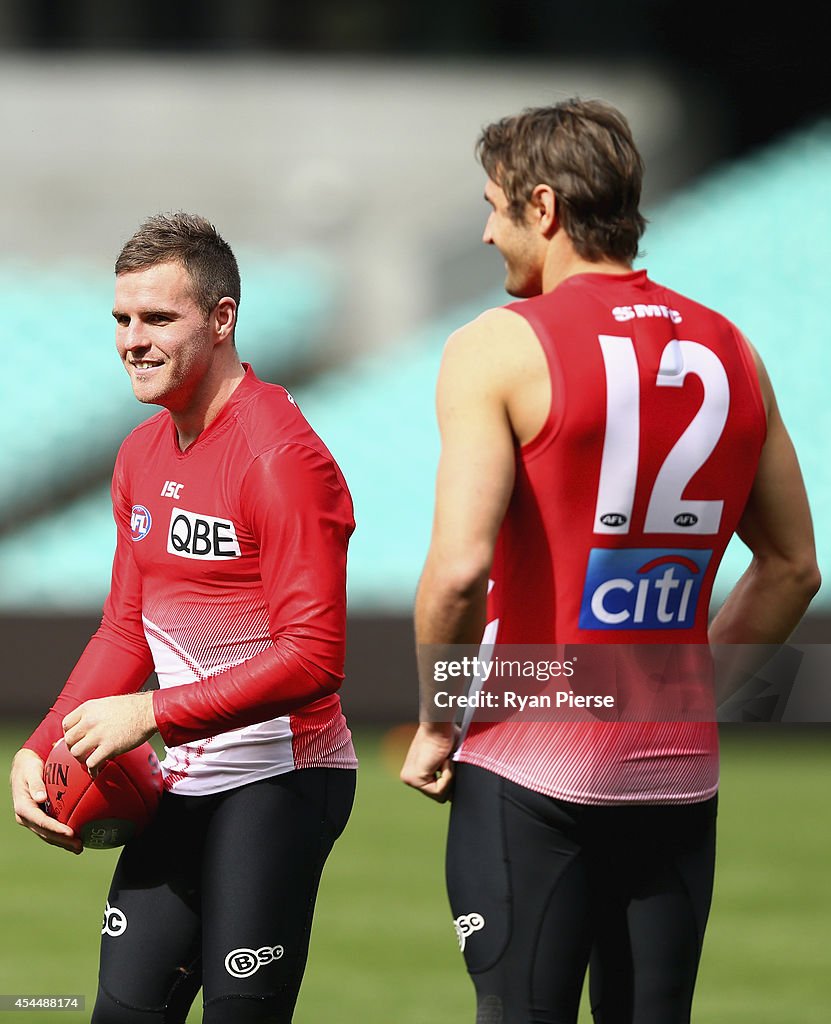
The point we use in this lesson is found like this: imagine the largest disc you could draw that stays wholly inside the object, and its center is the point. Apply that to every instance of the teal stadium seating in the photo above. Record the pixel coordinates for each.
(68, 406)
(747, 239)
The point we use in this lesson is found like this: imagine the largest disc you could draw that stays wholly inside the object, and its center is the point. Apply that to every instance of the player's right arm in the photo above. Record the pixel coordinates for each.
(473, 487)
(116, 660)
(774, 592)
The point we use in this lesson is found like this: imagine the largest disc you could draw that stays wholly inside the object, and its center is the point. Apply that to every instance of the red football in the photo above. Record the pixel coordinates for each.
(110, 809)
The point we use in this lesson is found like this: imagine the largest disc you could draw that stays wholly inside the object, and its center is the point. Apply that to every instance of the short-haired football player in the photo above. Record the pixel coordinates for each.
(229, 580)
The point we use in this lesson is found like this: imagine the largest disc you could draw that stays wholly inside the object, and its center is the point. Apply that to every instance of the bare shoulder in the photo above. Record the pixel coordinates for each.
(499, 344)
(498, 361)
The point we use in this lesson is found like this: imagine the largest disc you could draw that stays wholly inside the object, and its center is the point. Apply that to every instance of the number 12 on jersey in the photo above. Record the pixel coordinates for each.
(667, 511)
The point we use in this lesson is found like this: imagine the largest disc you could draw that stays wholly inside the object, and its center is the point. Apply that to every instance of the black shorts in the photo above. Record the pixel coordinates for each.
(539, 888)
(219, 893)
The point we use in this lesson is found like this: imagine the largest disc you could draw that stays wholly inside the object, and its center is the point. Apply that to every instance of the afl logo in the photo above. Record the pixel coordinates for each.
(140, 522)
(613, 519)
(685, 519)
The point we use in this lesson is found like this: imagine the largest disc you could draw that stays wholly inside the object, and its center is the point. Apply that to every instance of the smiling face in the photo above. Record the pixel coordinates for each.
(518, 242)
(164, 339)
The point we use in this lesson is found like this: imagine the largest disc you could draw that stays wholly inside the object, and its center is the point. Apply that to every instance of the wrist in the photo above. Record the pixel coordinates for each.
(437, 730)
(149, 711)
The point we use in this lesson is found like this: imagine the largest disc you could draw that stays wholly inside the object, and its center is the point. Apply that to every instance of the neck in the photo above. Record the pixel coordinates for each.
(204, 408)
(562, 261)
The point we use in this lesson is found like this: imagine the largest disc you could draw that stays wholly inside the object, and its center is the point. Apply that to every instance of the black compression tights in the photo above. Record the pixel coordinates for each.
(219, 894)
(540, 888)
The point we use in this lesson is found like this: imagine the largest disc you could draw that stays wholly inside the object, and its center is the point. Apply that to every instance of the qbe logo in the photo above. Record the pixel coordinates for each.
(140, 522)
(195, 535)
(642, 588)
(465, 925)
(243, 962)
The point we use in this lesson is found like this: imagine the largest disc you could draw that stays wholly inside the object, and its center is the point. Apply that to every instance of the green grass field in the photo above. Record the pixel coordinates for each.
(384, 950)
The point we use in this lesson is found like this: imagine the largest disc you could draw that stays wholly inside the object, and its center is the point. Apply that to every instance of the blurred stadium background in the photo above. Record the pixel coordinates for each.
(332, 144)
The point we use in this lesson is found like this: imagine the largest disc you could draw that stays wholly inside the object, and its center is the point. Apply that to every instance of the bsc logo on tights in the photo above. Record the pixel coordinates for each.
(465, 925)
(243, 962)
(115, 921)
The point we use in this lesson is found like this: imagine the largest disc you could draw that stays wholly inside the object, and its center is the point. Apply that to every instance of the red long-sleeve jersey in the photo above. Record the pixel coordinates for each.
(229, 578)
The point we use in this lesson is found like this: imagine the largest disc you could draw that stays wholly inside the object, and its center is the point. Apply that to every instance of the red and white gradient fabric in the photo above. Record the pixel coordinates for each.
(229, 579)
(622, 508)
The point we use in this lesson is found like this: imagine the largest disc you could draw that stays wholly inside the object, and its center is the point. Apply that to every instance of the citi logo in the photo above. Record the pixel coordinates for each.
(194, 535)
(140, 522)
(243, 962)
(467, 924)
(641, 588)
(115, 922)
(641, 311)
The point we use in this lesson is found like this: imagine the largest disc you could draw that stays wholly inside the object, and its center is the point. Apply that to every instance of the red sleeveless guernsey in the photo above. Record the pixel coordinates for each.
(621, 511)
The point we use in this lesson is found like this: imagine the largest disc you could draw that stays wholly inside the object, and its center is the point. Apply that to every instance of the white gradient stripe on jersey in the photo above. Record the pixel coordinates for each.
(244, 755)
(485, 655)
(667, 511)
(249, 754)
(604, 763)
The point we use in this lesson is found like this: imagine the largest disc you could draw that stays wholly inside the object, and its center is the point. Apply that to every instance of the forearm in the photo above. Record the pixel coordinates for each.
(450, 611)
(760, 612)
(766, 604)
(274, 683)
(450, 605)
(109, 665)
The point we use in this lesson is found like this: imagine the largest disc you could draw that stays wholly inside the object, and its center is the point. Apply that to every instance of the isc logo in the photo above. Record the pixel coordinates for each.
(642, 588)
(193, 535)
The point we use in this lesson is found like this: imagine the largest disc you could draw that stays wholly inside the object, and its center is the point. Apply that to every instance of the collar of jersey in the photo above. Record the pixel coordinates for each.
(217, 425)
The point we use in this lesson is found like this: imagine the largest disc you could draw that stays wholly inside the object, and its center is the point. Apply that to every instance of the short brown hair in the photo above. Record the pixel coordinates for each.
(194, 242)
(582, 149)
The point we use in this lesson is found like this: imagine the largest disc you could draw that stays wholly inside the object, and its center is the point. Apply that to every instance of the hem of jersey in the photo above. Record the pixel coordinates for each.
(182, 788)
(590, 799)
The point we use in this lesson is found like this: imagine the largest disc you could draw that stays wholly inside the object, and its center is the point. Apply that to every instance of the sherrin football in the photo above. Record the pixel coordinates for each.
(110, 809)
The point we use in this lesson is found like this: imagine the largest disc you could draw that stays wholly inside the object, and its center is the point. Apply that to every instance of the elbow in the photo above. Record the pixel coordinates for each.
(327, 683)
(810, 579)
(457, 582)
(799, 576)
(804, 575)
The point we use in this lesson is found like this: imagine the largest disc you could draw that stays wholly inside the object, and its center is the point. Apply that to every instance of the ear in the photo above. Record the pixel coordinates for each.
(224, 317)
(543, 206)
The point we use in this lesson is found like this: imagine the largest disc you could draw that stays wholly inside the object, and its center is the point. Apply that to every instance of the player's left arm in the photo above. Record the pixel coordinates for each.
(298, 508)
(774, 592)
(474, 484)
